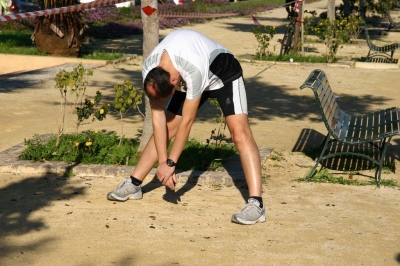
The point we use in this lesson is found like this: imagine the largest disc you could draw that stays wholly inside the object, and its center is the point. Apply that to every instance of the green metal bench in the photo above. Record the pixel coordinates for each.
(380, 53)
(393, 26)
(375, 128)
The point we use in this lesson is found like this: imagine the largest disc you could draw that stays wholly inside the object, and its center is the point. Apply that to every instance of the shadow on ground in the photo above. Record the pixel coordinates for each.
(21, 199)
(310, 142)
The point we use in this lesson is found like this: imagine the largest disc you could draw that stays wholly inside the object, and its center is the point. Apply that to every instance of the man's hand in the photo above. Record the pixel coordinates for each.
(166, 175)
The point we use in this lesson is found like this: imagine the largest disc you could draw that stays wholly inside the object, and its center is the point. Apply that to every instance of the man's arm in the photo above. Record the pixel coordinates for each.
(159, 129)
(188, 116)
(165, 172)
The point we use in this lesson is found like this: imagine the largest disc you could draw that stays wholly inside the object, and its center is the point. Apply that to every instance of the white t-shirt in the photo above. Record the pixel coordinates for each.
(192, 54)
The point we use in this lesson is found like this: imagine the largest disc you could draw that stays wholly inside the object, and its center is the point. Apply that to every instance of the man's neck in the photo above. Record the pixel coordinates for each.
(166, 64)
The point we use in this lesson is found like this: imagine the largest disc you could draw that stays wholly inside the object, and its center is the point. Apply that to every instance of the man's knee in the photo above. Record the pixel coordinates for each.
(241, 134)
(173, 121)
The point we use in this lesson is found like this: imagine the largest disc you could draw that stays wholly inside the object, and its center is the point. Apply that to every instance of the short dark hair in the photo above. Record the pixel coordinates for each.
(160, 80)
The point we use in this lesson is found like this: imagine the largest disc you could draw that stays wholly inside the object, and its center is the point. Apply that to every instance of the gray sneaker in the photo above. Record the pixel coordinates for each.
(125, 190)
(251, 213)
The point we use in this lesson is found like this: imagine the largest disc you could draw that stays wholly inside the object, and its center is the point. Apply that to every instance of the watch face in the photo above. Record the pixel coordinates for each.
(170, 162)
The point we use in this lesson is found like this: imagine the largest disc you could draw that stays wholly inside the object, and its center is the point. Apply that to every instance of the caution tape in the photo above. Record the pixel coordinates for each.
(101, 3)
(258, 24)
(59, 10)
(169, 14)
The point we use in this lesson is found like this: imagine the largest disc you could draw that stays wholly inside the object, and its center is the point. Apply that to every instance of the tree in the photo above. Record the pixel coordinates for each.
(150, 40)
(59, 34)
(297, 26)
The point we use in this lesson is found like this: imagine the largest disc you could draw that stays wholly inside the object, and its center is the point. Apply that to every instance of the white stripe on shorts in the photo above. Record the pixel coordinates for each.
(239, 96)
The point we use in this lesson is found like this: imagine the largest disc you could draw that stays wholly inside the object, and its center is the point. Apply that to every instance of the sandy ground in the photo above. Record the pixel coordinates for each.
(51, 220)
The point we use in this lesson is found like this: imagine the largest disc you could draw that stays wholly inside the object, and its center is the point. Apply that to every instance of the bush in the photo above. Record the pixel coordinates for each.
(92, 147)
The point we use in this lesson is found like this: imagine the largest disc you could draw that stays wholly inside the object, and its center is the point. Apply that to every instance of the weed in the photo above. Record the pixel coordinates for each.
(74, 83)
(324, 176)
(101, 55)
(126, 97)
(217, 186)
(264, 178)
(263, 39)
(276, 156)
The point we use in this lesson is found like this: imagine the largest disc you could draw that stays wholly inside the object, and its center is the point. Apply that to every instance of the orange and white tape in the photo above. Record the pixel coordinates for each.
(66, 9)
(100, 3)
(169, 14)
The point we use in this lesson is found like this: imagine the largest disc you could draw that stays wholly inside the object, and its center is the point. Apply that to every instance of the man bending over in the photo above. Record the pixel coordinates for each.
(209, 70)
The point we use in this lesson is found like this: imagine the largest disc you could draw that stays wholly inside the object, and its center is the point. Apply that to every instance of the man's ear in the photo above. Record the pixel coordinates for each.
(174, 80)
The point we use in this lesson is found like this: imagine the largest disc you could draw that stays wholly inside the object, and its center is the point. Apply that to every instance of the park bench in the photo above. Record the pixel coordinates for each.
(380, 54)
(393, 26)
(376, 129)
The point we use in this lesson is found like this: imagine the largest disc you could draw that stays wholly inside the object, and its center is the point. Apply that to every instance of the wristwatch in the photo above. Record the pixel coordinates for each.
(171, 163)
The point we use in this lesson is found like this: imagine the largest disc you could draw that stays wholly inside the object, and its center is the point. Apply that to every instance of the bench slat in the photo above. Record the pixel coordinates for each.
(330, 111)
(396, 120)
(388, 120)
(357, 129)
(345, 127)
(375, 124)
(382, 123)
(370, 124)
(350, 129)
(340, 122)
(364, 128)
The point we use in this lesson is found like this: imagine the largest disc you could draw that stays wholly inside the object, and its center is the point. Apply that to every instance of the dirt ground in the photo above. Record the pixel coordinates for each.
(51, 220)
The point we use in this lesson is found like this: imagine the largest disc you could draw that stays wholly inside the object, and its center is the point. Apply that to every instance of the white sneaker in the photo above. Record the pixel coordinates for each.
(251, 213)
(125, 190)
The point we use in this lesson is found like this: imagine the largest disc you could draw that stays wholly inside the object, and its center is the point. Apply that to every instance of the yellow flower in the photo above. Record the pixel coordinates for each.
(88, 143)
(77, 144)
(101, 111)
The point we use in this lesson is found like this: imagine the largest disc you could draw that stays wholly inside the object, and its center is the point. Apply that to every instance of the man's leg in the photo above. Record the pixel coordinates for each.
(254, 210)
(233, 102)
(130, 188)
(248, 151)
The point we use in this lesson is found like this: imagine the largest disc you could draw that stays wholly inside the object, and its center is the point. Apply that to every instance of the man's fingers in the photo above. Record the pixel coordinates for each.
(170, 183)
(174, 178)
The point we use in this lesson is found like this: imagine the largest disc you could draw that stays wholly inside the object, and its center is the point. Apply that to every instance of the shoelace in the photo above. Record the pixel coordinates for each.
(121, 184)
(248, 206)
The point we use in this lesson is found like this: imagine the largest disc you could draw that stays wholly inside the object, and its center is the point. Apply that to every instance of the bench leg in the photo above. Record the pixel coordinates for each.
(368, 56)
(319, 158)
(383, 149)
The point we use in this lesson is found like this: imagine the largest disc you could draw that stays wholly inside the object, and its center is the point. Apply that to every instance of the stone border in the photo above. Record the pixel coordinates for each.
(231, 174)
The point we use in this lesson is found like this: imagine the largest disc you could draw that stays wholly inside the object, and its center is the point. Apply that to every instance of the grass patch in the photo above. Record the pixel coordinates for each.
(17, 42)
(276, 156)
(296, 58)
(101, 55)
(324, 176)
(91, 147)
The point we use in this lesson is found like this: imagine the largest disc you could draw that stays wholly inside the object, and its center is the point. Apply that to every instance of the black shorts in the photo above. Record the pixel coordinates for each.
(231, 98)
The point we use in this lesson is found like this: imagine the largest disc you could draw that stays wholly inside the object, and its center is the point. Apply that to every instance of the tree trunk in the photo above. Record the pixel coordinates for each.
(297, 28)
(363, 9)
(59, 34)
(346, 8)
(331, 10)
(150, 40)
